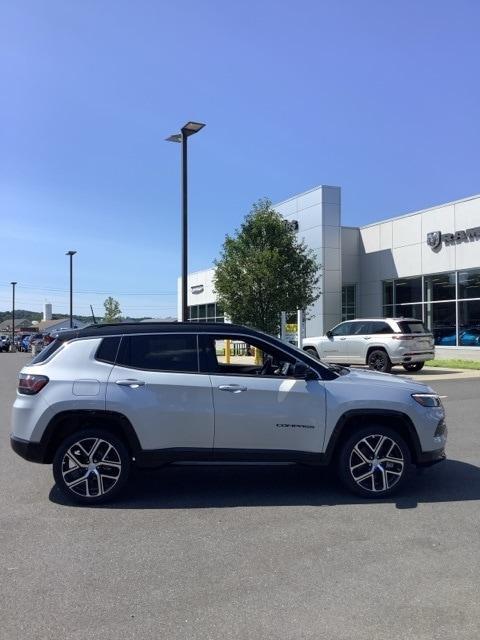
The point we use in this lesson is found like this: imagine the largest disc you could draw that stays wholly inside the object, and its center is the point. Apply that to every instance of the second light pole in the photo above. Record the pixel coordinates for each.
(186, 131)
(71, 254)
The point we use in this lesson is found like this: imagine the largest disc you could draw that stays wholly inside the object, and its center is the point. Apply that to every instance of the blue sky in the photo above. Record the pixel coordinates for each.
(379, 97)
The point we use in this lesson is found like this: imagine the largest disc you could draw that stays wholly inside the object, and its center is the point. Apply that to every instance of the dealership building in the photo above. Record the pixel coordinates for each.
(424, 265)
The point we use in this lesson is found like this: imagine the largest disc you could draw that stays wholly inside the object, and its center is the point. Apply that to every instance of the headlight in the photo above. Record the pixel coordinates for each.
(427, 399)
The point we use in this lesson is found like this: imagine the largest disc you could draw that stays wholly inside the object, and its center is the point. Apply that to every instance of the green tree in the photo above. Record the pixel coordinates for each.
(264, 270)
(112, 310)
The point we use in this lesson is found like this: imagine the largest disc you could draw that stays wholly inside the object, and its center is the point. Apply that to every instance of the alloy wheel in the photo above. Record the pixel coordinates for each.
(376, 463)
(91, 467)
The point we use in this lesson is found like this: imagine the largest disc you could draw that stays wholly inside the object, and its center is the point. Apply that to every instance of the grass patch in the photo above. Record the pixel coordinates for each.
(454, 364)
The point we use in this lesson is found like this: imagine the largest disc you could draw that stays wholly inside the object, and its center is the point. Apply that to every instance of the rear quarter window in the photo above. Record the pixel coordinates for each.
(412, 327)
(48, 351)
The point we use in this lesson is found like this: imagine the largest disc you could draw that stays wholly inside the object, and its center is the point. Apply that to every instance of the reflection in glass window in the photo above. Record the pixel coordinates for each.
(408, 290)
(408, 311)
(387, 293)
(469, 284)
(469, 323)
(440, 286)
(349, 302)
(441, 320)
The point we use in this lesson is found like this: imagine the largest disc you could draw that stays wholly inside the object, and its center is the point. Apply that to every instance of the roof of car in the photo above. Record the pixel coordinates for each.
(125, 328)
(384, 319)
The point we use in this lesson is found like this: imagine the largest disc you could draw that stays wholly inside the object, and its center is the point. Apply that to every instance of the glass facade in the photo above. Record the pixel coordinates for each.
(349, 302)
(447, 303)
(211, 312)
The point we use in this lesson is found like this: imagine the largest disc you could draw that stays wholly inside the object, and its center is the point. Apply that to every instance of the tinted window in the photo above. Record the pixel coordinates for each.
(411, 327)
(107, 351)
(380, 327)
(341, 329)
(159, 352)
(47, 352)
(358, 328)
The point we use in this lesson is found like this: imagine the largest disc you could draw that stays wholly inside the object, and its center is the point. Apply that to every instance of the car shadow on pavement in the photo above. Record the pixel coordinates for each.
(210, 487)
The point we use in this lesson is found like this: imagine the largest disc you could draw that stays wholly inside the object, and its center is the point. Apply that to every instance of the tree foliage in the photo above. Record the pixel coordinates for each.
(264, 270)
(112, 310)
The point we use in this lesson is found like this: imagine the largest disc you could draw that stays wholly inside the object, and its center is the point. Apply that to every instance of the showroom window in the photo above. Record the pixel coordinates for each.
(349, 302)
(211, 312)
(448, 304)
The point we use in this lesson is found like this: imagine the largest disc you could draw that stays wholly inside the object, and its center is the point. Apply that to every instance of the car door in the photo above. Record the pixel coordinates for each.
(332, 346)
(157, 385)
(356, 341)
(257, 409)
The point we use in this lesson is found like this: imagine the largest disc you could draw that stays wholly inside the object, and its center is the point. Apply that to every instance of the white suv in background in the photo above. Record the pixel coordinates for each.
(378, 342)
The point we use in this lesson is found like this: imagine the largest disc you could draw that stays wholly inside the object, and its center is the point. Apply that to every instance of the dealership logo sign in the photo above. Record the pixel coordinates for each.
(435, 238)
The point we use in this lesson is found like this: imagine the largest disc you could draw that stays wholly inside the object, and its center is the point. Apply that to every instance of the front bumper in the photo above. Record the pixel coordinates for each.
(31, 451)
(429, 458)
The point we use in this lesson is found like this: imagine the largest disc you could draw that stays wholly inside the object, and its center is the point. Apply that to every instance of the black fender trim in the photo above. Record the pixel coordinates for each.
(84, 418)
(338, 431)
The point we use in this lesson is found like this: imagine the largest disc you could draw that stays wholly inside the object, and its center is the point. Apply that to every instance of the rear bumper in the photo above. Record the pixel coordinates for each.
(414, 356)
(429, 458)
(31, 451)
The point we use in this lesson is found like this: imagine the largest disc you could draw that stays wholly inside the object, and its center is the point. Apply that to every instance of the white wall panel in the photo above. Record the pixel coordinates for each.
(407, 231)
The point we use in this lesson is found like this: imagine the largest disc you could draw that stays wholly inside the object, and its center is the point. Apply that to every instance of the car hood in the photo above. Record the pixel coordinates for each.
(387, 380)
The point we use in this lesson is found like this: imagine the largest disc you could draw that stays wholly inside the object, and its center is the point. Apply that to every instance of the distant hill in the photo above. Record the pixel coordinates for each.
(36, 315)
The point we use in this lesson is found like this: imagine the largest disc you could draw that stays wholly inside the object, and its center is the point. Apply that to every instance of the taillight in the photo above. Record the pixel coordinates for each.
(29, 384)
(403, 337)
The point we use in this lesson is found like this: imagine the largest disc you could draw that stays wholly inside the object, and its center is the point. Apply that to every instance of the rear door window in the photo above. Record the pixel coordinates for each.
(377, 326)
(159, 352)
(107, 351)
(412, 326)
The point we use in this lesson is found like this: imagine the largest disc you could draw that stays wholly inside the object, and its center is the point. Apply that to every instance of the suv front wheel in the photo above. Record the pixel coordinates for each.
(91, 466)
(374, 462)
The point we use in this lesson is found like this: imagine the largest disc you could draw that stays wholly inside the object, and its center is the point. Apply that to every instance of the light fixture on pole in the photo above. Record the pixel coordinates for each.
(71, 254)
(186, 131)
(12, 348)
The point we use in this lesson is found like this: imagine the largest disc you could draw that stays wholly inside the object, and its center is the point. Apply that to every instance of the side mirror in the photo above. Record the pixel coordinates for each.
(329, 334)
(303, 372)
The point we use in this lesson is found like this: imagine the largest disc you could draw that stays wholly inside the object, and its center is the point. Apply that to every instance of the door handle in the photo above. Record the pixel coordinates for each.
(233, 388)
(342, 338)
(130, 382)
(367, 337)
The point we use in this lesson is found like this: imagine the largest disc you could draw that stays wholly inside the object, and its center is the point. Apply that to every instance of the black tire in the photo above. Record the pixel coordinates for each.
(358, 450)
(414, 366)
(312, 352)
(107, 474)
(378, 360)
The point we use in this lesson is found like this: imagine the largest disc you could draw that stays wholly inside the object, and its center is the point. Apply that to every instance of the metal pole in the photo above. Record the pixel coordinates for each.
(12, 348)
(184, 317)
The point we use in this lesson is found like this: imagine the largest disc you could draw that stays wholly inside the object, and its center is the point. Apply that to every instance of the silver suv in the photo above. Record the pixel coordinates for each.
(97, 401)
(378, 342)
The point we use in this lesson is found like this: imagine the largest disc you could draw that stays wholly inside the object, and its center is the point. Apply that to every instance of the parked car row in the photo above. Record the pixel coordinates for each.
(25, 342)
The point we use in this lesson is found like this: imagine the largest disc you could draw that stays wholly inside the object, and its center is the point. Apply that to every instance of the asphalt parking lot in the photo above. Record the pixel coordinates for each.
(245, 552)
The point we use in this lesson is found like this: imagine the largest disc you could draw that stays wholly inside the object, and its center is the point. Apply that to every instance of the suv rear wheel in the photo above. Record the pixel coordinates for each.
(379, 361)
(414, 366)
(91, 466)
(374, 462)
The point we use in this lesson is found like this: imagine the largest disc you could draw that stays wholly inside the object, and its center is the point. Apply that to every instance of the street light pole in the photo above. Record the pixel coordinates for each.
(186, 131)
(71, 254)
(12, 348)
